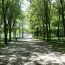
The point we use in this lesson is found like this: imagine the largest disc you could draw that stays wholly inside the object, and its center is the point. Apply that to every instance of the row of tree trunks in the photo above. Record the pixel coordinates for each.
(7, 26)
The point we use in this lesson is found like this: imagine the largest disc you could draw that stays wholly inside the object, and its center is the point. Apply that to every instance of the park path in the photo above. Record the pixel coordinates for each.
(30, 52)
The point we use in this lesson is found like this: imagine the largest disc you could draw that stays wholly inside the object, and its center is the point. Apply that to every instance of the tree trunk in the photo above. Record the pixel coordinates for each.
(19, 31)
(46, 19)
(9, 30)
(15, 31)
(10, 21)
(58, 24)
(62, 13)
(5, 25)
(49, 17)
(5, 29)
(22, 30)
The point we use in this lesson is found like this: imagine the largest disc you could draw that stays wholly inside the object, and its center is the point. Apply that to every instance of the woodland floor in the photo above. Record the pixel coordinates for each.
(31, 52)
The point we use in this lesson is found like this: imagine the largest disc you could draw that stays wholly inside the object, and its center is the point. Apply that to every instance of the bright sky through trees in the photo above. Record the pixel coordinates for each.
(53, 1)
(25, 5)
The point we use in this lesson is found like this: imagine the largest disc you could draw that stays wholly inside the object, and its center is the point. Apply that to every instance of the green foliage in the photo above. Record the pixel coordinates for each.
(38, 16)
(10, 15)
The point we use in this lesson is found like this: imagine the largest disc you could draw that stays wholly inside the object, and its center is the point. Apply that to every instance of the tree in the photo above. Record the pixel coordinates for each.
(11, 11)
(4, 11)
(62, 14)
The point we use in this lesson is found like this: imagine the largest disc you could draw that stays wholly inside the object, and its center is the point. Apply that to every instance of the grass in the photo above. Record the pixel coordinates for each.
(57, 45)
(1, 45)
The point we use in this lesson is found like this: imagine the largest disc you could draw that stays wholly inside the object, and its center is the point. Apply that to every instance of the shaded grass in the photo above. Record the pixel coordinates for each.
(1, 45)
(57, 45)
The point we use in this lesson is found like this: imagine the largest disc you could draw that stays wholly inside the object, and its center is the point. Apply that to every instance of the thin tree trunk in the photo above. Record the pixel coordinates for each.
(49, 15)
(22, 30)
(19, 30)
(10, 31)
(58, 23)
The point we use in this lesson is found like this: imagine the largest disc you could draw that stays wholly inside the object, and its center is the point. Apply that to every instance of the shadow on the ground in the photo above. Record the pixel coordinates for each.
(31, 53)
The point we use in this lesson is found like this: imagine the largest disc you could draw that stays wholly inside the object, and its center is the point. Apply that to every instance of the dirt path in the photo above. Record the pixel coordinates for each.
(27, 53)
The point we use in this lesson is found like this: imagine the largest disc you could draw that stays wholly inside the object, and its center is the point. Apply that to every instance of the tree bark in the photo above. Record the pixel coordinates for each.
(10, 31)
(58, 24)
(46, 19)
(22, 30)
(62, 13)
(5, 25)
(10, 21)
